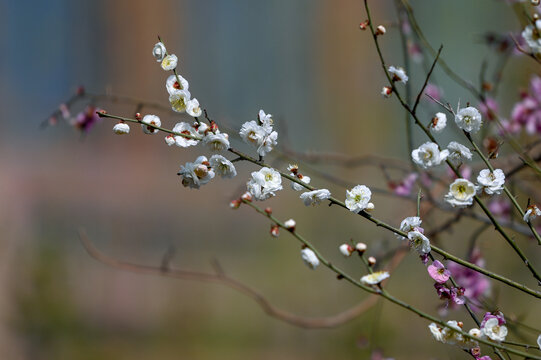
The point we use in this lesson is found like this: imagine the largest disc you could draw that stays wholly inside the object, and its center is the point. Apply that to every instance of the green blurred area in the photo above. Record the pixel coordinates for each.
(305, 62)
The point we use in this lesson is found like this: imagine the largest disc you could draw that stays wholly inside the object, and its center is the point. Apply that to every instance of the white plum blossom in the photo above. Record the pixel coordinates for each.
(358, 199)
(268, 143)
(216, 142)
(438, 123)
(193, 108)
(159, 51)
(150, 120)
(346, 249)
(531, 213)
(491, 182)
(436, 331)
(252, 133)
(264, 183)
(398, 74)
(447, 335)
(309, 258)
(532, 36)
(470, 343)
(121, 128)
(179, 99)
(186, 129)
(266, 120)
(461, 193)
(493, 330)
(169, 62)
(375, 278)
(419, 242)
(458, 153)
(201, 127)
(170, 140)
(409, 224)
(172, 84)
(315, 197)
(262, 136)
(197, 173)
(539, 341)
(450, 335)
(222, 166)
(303, 178)
(469, 119)
(428, 155)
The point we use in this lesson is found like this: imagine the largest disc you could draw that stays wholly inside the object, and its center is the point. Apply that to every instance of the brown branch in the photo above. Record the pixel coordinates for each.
(220, 277)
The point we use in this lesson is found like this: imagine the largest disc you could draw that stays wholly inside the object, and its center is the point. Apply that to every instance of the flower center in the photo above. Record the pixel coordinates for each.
(428, 155)
(467, 119)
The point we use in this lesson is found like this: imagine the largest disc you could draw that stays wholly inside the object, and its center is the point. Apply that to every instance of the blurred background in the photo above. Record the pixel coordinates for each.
(305, 62)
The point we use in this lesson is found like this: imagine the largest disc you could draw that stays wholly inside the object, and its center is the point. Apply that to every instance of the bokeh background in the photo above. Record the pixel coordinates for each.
(304, 61)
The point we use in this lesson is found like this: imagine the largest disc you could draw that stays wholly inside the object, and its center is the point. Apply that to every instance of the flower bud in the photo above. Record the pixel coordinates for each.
(121, 128)
(386, 91)
(213, 127)
(235, 204)
(364, 25)
(170, 140)
(290, 225)
(275, 230)
(361, 247)
(201, 171)
(138, 116)
(246, 197)
(371, 261)
(534, 2)
(380, 30)
(346, 249)
(268, 211)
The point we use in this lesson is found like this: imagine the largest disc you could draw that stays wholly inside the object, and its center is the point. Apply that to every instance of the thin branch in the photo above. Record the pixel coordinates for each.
(219, 277)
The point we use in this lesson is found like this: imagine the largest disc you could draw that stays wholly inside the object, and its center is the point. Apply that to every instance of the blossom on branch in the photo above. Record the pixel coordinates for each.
(428, 155)
(398, 74)
(461, 193)
(121, 128)
(260, 134)
(531, 213)
(197, 173)
(264, 183)
(438, 123)
(159, 51)
(309, 258)
(411, 223)
(358, 199)
(150, 120)
(169, 62)
(469, 119)
(375, 278)
(179, 99)
(186, 129)
(438, 272)
(315, 197)
(491, 182)
(222, 166)
(173, 86)
(419, 242)
(458, 153)
(216, 142)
